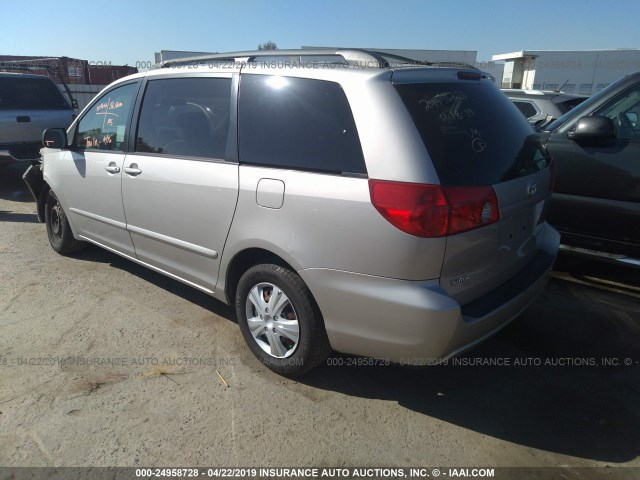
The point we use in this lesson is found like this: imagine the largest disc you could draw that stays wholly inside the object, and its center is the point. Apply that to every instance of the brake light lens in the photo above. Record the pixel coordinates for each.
(414, 208)
(471, 207)
(434, 210)
(469, 75)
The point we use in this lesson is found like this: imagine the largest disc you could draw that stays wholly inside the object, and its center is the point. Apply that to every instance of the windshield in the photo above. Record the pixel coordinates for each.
(473, 133)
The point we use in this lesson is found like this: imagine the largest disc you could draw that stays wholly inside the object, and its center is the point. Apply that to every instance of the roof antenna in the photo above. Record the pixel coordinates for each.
(562, 86)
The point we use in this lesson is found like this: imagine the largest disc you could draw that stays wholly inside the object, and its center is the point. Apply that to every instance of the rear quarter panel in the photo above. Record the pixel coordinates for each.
(327, 221)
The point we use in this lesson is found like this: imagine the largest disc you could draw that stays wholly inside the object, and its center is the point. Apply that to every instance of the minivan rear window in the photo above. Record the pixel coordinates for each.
(472, 132)
(18, 93)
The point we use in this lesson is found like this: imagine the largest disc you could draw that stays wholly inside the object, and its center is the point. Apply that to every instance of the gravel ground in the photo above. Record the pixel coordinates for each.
(143, 387)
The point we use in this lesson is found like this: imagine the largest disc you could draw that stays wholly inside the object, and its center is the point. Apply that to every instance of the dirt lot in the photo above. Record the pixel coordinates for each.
(143, 387)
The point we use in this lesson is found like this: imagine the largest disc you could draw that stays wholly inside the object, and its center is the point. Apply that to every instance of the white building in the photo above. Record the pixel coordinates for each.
(581, 71)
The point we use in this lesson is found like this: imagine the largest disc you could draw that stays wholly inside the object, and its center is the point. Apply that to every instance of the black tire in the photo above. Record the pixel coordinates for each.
(58, 229)
(312, 346)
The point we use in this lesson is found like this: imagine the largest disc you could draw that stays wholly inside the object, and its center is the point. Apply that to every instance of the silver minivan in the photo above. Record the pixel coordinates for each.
(341, 201)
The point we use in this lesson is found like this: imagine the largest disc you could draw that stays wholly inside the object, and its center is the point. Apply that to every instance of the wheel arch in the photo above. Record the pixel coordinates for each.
(244, 260)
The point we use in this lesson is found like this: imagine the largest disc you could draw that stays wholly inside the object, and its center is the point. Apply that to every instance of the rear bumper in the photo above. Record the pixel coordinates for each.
(19, 152)
(5, 157)
(418, 323)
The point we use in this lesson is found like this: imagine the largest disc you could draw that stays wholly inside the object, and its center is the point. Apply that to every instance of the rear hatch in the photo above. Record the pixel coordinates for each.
(478, 141)
(28, 106)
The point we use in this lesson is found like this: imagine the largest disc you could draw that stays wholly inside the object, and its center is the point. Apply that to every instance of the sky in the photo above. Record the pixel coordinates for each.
(130, 31)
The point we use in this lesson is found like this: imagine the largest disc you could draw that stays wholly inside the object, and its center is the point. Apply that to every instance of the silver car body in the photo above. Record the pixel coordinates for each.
(382, 293)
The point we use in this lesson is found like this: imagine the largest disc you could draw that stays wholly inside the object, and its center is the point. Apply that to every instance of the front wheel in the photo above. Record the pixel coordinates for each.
(58, 229)
(280, 321)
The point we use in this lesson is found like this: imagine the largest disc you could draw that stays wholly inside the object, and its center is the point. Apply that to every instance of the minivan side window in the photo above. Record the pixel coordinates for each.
(297, 123)
(104, 126)
(185, 117)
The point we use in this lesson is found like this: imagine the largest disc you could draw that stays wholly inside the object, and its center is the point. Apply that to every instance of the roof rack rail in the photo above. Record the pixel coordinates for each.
(349, 56)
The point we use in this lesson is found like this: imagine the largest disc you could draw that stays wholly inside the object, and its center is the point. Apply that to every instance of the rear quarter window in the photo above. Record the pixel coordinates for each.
(297, 123)
(527, 108)
(472, 132)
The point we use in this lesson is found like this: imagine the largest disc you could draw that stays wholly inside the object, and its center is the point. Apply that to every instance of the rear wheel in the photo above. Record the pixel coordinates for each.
(58, 229)
(280, 321)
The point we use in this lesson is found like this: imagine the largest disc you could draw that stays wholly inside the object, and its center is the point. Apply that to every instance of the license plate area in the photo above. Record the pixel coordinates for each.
(517, 230)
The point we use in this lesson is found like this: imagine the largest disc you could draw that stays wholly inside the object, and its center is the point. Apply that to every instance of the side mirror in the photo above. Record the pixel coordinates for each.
(54, 138)
(593, 129)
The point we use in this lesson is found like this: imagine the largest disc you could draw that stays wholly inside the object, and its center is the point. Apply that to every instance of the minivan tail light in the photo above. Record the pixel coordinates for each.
(414, 208)
(433, 210)
(471, 207)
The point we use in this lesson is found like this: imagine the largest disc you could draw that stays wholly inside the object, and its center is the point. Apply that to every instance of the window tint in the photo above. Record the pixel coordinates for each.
(297, 123)
(185, 117)
(104, 126)
(527, 108)
(472, 133)
(624, 111)
(19, 93)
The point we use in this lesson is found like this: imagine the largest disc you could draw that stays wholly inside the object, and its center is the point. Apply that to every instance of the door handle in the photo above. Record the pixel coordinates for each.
(112, 168)
(132, 170)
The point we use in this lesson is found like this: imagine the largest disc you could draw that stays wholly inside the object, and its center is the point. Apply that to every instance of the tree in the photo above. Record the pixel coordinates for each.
(268, 46)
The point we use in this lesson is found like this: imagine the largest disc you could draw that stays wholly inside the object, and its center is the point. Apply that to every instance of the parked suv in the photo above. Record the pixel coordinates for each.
(28, 105)
(541, 107)
(596, 147)
(339, 203)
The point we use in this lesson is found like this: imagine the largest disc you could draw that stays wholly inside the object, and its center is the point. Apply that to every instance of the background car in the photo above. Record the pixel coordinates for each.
(540, 106)
(596, 200)
(28, 105)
